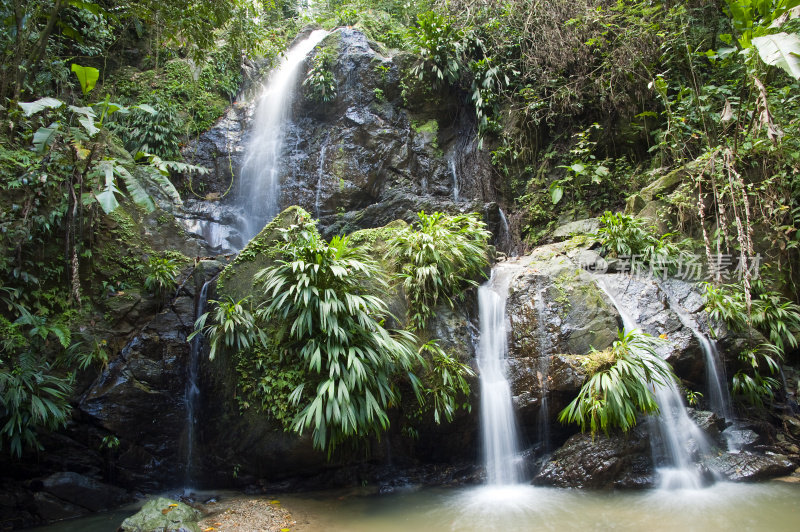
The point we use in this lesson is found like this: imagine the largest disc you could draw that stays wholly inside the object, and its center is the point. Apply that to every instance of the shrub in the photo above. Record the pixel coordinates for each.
(161, 275)
(326, 323)
(436, 40)
(625, 235)
(437, 259)
(31, 398)
(320, 81)
(750, 385)
(620, 387)
(233, 327)
(445, 380)
(770, 312)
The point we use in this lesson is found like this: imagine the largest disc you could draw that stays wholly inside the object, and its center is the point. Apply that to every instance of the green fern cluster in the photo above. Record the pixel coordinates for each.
(621, 387)
(438, 257)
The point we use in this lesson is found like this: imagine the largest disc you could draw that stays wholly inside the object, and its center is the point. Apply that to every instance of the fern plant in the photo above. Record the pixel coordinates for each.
(317, 301)
(444, 382)
(233, 327)
(620, 388)
(437, 259)
(161, 275)
(320, 80)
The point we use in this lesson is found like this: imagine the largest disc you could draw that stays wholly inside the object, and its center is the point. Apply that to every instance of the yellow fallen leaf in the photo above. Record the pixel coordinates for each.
(284, 530)
(209, 529)
(173, 505)
(274, 502)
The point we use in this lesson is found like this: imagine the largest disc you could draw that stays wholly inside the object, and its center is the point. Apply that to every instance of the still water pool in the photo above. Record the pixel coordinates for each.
(772, 506)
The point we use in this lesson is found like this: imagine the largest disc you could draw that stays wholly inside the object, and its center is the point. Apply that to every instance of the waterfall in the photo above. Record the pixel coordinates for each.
(719, 398)
(673, 424)
(192, 393)
(452, 164)
(498, 426)
(320, 174)
(259, 186)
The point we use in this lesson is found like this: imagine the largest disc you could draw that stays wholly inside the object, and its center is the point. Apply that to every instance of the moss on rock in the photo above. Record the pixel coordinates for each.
(236, 280)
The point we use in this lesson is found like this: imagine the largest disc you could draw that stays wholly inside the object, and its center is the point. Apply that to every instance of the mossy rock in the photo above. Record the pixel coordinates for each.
(236, 280)
(163, 515)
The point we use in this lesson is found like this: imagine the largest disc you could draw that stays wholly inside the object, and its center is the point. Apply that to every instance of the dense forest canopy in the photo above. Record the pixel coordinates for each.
(581, 103)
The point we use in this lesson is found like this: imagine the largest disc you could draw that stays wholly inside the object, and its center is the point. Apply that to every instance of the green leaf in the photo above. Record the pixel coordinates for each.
(556, 193)
(44, 137)
(107, 200)
(30, 108)
(89, 125)
(146, 108)
(578, 168)
(88, 77)
(135, 189)
(781, 50)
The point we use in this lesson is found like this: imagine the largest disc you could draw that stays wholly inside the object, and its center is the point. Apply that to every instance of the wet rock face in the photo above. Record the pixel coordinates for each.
(140, 397)
(368, 146)
(556, 314)
(370, 156)
(605, 462)
(654, 308)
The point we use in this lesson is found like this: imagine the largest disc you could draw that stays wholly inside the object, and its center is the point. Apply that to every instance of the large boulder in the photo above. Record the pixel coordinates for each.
(163, 515)
(139, 400)
(646, 300)
(82, 491)
(747, 466)
(557, 314)
(600, 462)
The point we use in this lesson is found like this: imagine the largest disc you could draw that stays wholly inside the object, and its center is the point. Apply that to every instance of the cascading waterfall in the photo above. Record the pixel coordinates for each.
(676, 429)
(192, 393)
(259, 186)
(719, 399)
(498, 426)
(451, 162)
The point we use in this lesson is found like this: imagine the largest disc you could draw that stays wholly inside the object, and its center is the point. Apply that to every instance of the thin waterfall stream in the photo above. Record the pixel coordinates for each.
(192, 394)
(498, 425)
(673, 424)
(259, 187)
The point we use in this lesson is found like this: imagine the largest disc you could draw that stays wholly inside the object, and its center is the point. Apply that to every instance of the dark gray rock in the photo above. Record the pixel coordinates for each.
(602, 462)
(82, 491)
(359, 161)
(747, 467)
(741, 438)
(708, 422)
(50, 508)
(646, 302)
(139, 398)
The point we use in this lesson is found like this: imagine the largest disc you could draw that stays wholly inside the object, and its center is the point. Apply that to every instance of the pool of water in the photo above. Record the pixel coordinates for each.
(773, 506)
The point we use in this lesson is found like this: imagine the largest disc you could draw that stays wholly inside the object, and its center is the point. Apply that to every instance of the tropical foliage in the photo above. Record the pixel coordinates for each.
(315, 293)
(437, 258)
(619, 387)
